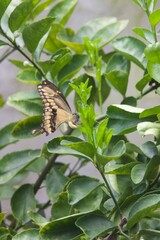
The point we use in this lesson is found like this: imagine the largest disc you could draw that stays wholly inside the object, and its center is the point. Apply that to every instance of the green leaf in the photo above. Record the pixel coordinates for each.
(55, 146)
(63, 10)
(132, 49)
(23, 129)
(55, 183)
(140, 85)
(138, 172)
(2, 214)
(20, 14)
(149, 149)
(61, 58)
(153, 70)
(94, 225)
(22, 201)
(29, 75)
(147, 128)
(41, 7)
(144, 207)
(73, 67)
(117, 151)
(132, 101)
(53, 43)
(141, 3)
(37, 218)
(54, 229)
(150, 112)
(27, 235)
(28, 103)
(6, 135)
(117, 72)
(152, 52)
(84, 148)
(6, 192)
(35, 32)
(148, 233)
(4, 4)
(145, 34)
(91, 202)
(4, 234)
(151, 4)
(12, 163)
(90, 29)
(154, 17)
(119, 168)
(123, 118)
(110, 32)
(61, 207)
(80, 188)
(1, 101)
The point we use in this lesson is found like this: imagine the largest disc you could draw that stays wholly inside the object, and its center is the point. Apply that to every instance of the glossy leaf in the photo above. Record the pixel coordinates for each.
(53, 43)
(20, 14)
(55, 146)
(61, 207)
(145, 33)
(27, 235)
(154, 17)
(12, 163)
(151, 4)
(149, 149)
(54, 230)
(29, 75)
(28, 103)
(149, 128)
(132, 49)
(6, 135)
(110, 32)
(22, 201)
(138, 172)
(140, 85)
(4, 4)
(90, 29)
(61, 58)
(73, 67)
(91, 202)
(123, 118)
(84, 148)
(117, 73)
(144, 207)
(34, 32)
(152, 52)
(4, 234)
(141, 4)
(41, 7)
(37, 218)
(55, 183)
(120, 168)
(80, 188)
(62, 11)
(150, 112)
(23, 129)
(94, 225)
(153, 70)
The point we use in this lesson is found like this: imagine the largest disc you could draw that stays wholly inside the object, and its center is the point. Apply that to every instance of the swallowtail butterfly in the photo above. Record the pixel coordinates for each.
(56, 109)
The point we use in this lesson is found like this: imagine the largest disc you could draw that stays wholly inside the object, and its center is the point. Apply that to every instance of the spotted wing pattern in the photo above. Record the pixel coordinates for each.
(56, 109)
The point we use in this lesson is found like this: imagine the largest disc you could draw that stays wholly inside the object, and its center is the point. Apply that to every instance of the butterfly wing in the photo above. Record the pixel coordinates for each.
(56, 109)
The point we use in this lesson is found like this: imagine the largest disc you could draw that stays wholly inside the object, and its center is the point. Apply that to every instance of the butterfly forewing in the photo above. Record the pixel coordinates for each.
(56, 109)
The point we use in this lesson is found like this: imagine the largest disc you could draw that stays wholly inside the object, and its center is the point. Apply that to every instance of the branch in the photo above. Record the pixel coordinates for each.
(45, 171)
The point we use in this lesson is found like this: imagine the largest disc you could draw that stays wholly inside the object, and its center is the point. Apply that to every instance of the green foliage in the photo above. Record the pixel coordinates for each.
(124, 201)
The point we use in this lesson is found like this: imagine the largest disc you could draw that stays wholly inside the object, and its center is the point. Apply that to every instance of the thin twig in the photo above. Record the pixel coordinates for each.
(44, 173)
(6, 54)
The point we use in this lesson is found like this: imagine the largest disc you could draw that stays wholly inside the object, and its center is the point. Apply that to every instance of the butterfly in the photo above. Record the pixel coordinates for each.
(56, 109)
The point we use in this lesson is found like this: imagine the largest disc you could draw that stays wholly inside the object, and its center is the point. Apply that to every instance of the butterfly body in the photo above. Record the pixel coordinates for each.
(56, 109)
